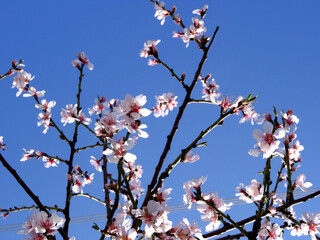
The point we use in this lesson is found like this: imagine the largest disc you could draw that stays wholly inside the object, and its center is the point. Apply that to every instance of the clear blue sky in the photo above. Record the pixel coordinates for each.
(267, 48)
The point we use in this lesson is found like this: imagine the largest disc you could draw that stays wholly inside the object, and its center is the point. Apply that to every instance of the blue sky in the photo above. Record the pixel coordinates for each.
(270, 49)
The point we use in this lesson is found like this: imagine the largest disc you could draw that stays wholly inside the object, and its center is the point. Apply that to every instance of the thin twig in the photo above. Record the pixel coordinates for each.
(172, 72)
(89, 146)
(88, 196)
(18, 209)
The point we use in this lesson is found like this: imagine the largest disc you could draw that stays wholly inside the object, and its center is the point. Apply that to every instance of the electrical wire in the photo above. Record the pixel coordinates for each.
(174, 208)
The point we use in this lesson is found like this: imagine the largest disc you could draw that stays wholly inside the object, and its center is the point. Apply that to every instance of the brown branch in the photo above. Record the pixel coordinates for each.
(30, 193)
(71, 157)
(88, 196)
(13, 69)
(177, 120)
(172, 72)
(192, 145)
(230, 237)
(18, 209)
(264, 214)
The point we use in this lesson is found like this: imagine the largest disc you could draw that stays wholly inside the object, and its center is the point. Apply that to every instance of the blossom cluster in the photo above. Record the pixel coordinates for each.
(165, 102)
(40, 225)
(48, 160)
(79, 179)
(205, 202)
(118, 126)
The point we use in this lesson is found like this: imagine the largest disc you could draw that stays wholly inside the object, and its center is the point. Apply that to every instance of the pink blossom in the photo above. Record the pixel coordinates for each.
(155, 218)
(88, 179)
(201, 11)
(150, 49)
(2, 145)
(78, 184)
(33, 92)
(110, 122)
(30, 154)
(135, 171)
(300, 230)
(100, 104)
(165, 103)
(40, 224)
(132, 106)
(136, 126)
(294, 152)
(267, 142)
(69, 115)
(248, 114)
(186, 232)
(270, 231)
(45, 106)
(96, 163)
(119, 150)
(210, 90)
(44, 120)
(135, 186)
(21, 80)
(211, 215)
(195, 184)
(161, 13)
(300, 182)
(290, 120)
(190, 159)
(313, 223)
(83, 119)
(50, 162)
(84, 60)
(198, 27)
(251, 193)
(152, 62)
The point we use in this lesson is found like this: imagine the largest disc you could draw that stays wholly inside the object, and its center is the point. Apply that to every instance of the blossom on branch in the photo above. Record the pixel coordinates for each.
(96, 163)
(84, 60)
(290, 120)
(210, 214)
(69, 115)
(190, 159)
(165, 102)
(300, 182)
(195, 184)
(50, 162)
(267, 142)
(202, 11)
(100, 104)
(2, 145)
(210, 90)
(132, 106)
(119, 150)
(312, 221)
(45, 106)
(251, 193)
(41, 225)
(34, 93)
(21, 80)
(269, 231)
(30, 154)
(150, 49)
(161, 13)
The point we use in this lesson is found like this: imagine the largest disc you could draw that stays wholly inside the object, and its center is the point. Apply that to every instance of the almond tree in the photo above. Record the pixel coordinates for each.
(135, 213)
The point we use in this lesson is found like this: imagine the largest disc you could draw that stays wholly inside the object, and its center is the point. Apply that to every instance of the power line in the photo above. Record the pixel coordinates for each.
(173, 209)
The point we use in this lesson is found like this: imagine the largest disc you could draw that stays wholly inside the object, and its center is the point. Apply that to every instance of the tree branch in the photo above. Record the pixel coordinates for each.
(30, 193)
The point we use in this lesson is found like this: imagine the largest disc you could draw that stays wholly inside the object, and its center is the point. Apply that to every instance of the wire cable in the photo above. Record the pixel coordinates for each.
(174, 208)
